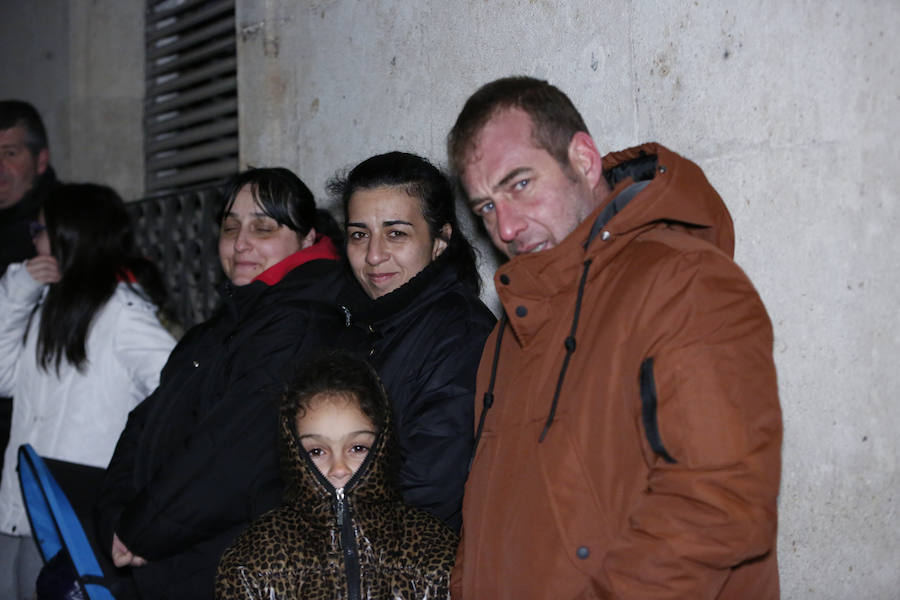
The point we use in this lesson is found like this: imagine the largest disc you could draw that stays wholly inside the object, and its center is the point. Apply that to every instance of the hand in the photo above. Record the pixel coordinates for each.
(43, 269)
(123, 557)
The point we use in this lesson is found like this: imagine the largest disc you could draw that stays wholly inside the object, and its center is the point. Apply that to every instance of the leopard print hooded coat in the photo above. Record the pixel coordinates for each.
(321, 544)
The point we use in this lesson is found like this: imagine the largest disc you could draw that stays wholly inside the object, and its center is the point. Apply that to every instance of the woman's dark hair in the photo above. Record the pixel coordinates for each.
(422, 180)
(92, 239)
(339, 373)
(284, 197)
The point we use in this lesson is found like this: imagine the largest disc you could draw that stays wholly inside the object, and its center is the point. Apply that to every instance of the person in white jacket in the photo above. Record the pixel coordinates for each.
(80, 346)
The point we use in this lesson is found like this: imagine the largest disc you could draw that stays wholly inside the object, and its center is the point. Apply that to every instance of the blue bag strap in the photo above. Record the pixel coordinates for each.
(54, 523)
(40, 516)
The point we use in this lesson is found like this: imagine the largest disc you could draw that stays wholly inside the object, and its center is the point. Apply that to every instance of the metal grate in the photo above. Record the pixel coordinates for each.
(179, 233)
(190, 110)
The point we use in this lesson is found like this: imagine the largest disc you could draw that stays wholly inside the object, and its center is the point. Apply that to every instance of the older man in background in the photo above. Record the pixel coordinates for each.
(26, 177)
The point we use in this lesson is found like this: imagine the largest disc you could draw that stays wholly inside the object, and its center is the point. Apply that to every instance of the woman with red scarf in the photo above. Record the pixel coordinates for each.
(198, 459)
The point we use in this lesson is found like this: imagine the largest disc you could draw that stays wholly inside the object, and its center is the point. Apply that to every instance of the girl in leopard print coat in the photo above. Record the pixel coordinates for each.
(343, 531)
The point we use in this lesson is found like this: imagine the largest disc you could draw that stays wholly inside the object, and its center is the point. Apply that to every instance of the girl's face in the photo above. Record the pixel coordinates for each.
(251, 241)
(388, 241)
(336, 435)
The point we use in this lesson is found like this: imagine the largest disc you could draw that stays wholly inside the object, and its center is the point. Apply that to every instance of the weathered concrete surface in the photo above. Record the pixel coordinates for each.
(106, 108)
(35, 66)
(790, 107)
(81, 64)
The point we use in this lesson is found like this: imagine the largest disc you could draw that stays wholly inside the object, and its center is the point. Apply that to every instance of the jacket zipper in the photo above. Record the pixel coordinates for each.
(348, 546)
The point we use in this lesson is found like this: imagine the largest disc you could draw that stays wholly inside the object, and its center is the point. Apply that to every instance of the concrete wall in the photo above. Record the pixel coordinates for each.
(106, 107)
(35, 66)
(790, 107)
(81, 64)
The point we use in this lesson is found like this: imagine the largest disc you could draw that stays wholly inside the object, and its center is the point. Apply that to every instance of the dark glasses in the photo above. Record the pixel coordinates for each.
(35, 228)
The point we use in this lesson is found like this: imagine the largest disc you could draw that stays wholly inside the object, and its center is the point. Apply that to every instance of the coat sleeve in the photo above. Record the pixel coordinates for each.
(228, 471)
(712, 425)
(437, 427)
(239, 576)
(456, 575)
(235, 582)
(142, 345)
(18, 295)
(118, 485)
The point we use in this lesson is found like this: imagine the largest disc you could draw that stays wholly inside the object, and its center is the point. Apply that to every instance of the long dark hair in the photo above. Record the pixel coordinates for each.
(92, 239)
(422, 180)
(285, 198)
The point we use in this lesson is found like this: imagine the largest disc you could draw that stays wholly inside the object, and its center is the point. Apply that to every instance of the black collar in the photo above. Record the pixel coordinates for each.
(363, 308)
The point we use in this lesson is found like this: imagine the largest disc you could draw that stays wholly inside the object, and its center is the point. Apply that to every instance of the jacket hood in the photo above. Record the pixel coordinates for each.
(677, 192)
(306, 488)
(651, 186)
(310, 275)
(669, 190)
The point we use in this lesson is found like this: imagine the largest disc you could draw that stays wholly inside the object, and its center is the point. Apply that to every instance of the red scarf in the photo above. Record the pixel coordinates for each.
(323, 248)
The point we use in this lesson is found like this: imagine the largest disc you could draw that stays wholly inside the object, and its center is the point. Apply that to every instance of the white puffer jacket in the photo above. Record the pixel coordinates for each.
(74, 416)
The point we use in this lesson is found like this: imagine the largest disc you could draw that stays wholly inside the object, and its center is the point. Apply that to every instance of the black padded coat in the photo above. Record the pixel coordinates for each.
(198, 459)
(425, 341)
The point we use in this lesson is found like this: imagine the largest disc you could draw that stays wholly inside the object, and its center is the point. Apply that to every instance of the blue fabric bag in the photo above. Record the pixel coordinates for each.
(54, 524)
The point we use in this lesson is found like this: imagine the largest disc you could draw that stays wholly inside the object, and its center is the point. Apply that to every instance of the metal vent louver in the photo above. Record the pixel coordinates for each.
(190, 112)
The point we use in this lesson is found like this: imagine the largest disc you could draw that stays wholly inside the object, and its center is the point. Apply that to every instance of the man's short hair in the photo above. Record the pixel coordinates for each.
(18, 112)
(554, 118)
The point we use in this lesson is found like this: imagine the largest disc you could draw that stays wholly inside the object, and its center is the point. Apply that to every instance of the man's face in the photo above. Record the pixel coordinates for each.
(18, 166)
(526, 199)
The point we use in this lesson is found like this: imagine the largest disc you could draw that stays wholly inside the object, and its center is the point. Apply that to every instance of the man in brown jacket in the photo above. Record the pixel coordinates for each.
(629, 440)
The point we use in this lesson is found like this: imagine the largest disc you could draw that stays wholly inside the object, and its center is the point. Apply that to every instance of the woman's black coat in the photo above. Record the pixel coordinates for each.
(198, 459)
(425, 341)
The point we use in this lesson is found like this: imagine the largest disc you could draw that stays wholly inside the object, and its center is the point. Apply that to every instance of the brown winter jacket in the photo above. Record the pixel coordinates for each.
(658, 472)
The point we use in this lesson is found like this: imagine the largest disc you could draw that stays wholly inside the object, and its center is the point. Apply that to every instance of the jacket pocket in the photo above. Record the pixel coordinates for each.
(649, 415)
(576, 503)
